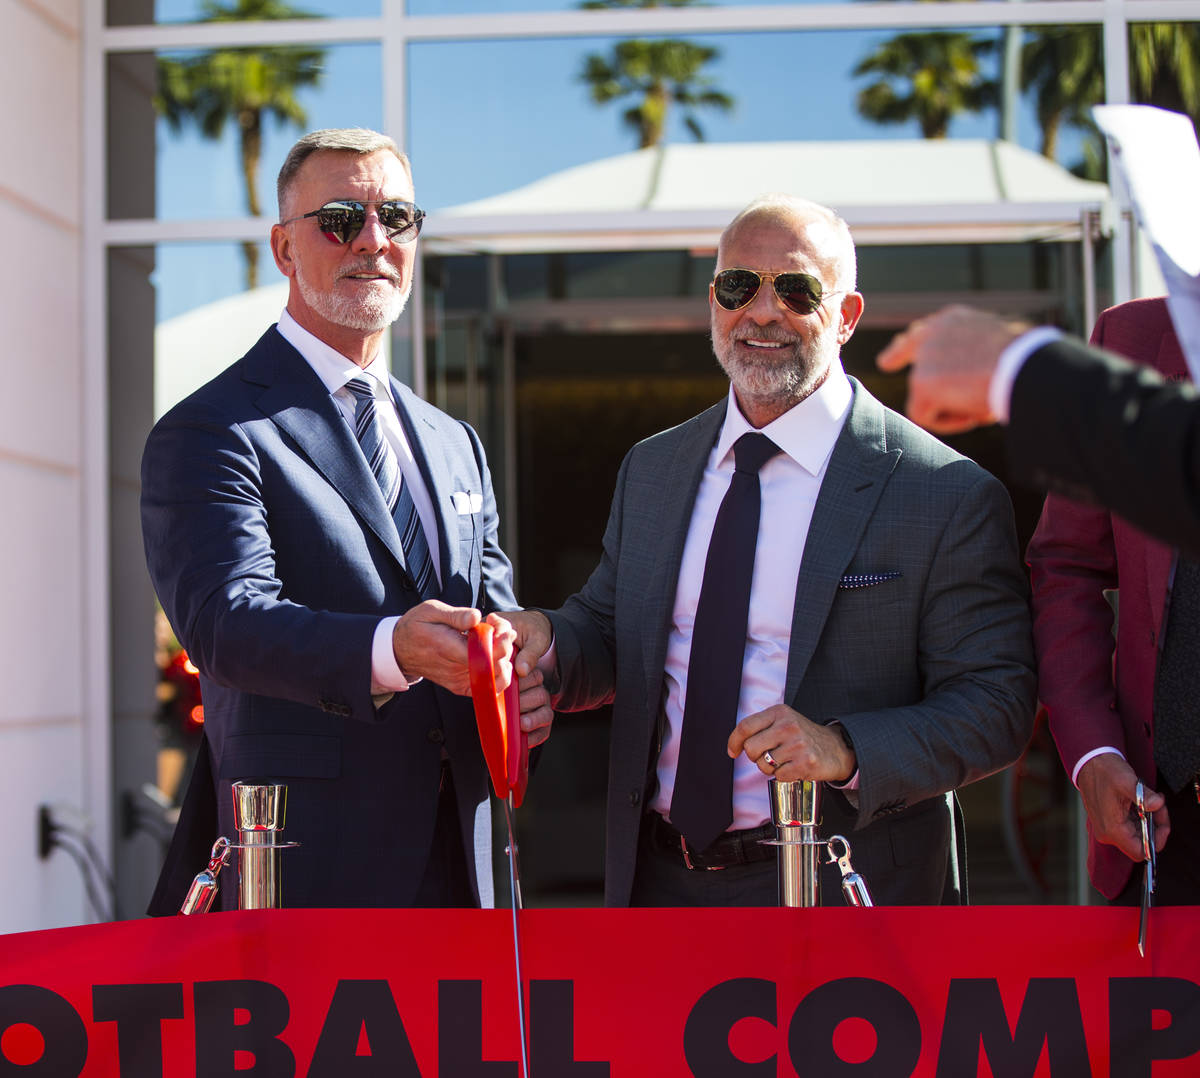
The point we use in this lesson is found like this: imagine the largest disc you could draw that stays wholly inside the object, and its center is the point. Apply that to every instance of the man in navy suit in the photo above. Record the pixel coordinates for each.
(330, 647)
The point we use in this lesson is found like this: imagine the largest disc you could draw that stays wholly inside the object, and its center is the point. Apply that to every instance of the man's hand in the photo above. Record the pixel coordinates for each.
(801, 748)
(1107, 785)
(428, 642)
(953, 354)
(533, 638)
(537, 713)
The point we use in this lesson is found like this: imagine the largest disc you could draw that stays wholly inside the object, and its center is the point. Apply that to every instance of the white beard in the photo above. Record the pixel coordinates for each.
(375, 307)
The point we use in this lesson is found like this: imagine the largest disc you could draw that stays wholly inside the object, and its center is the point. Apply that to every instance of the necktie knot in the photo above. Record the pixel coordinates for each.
(752, 450)
(361, 388)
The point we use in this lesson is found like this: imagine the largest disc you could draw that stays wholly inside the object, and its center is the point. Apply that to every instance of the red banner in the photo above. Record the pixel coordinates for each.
(1006, 992)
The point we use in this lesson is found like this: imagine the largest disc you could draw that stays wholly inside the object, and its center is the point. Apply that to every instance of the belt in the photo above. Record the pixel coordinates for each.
(731, 848)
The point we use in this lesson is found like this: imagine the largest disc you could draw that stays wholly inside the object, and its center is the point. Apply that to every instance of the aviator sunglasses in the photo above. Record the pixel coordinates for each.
(344, 219)
(799, 292)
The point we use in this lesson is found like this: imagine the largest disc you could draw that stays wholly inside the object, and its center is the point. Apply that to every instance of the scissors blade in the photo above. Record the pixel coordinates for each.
(1144, 922)
(1146, 820)
(514, 881)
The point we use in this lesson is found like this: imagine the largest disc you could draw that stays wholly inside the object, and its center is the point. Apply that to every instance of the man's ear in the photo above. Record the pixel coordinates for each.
(851, 311)
(281, 249)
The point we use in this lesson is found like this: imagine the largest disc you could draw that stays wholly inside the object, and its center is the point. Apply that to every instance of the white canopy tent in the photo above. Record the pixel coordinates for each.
(889, 191)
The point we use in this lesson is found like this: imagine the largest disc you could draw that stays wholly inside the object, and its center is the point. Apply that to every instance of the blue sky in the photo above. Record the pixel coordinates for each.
(486, 117)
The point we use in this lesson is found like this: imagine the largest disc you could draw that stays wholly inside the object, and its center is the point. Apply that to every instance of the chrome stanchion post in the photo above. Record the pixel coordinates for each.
(258, 815)
(796, 813)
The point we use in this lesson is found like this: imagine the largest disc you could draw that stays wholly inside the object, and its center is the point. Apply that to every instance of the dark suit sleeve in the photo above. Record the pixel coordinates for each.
(971, 650)
(1092, 427)
(213, 559)
(1073, 561)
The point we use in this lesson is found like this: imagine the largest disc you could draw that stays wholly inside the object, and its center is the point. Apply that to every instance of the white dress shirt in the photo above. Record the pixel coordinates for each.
(790, 483)
(335, 370)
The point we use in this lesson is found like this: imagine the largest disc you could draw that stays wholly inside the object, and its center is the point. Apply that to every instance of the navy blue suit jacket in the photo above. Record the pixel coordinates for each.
(274, 557)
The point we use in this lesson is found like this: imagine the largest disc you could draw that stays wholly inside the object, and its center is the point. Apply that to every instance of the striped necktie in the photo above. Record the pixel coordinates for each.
(386, 468)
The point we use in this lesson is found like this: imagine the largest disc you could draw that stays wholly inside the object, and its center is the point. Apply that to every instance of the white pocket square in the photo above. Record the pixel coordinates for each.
(467, 501)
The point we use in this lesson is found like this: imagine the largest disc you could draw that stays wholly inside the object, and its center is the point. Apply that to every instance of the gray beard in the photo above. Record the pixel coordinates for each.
(779, 380)
(368, 314)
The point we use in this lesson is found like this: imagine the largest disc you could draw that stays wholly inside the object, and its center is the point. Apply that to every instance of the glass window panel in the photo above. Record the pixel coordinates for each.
(195, 176)
(490, 7)
(1164, 66)
(203, 316)
(488, 117)
(139, 12)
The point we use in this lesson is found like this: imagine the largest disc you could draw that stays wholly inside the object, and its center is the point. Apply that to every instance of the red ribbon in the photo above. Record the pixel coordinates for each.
(498, 716)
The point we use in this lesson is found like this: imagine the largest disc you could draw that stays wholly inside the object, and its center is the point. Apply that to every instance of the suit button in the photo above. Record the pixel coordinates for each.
(635, 798)
(436, 736)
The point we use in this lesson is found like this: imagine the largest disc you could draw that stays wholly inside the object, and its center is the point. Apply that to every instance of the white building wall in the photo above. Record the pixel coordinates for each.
(43, 698)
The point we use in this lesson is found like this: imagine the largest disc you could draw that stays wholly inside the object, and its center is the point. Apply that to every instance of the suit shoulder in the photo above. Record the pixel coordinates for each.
(1147, 313)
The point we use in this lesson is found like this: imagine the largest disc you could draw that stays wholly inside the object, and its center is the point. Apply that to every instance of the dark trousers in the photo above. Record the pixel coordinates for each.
(446, 884)
(662, 879)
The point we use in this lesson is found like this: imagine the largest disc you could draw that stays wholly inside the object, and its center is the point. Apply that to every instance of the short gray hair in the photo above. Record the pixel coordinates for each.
(360, 140)
(842, 260)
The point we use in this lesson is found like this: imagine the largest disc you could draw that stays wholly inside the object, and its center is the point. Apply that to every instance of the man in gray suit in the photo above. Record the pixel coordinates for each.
(884, 645)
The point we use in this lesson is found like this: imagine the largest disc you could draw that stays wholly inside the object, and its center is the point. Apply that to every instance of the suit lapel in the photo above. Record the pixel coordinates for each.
(298, 403)
(858, 471)
(672, 516)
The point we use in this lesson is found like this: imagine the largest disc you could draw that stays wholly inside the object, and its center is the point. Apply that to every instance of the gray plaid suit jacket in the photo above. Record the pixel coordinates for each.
(930, 671)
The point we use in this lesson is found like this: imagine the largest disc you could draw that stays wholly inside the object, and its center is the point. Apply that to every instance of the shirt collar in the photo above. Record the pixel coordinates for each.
(806, 432)
(333, 368)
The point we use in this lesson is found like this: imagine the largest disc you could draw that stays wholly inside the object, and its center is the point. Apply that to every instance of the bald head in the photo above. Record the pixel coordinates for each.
(826, 232)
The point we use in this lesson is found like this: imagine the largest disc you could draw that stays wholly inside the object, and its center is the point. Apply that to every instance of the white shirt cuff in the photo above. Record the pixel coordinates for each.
(386, 675)
(1009, 365)
(1091, 756)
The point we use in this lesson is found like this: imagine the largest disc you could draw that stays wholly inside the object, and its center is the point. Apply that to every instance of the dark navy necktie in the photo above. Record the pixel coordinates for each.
(386, 468)
(702, 802)
(1176, 727)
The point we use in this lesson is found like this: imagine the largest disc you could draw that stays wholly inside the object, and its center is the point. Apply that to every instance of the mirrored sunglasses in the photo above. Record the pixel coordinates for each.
(799, 292)
(344, 219)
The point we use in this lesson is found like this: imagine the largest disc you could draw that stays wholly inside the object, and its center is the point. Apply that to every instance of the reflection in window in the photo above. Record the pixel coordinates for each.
(1164, 66)
(1062, 70)
(500, 99)
(138, 12)
(240, 89)
(198, 170)
(204, 320)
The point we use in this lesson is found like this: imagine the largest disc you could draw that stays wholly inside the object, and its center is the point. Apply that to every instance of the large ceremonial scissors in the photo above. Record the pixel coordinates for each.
(506, 751)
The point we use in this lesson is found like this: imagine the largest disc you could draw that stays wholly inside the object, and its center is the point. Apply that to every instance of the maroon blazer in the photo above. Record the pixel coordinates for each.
(1098, 691)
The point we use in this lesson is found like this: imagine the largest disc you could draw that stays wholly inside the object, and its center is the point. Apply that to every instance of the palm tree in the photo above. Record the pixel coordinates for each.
(1064, 67)
(244, 85)
(927, 77)
(659, 73)
(1164, 61)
